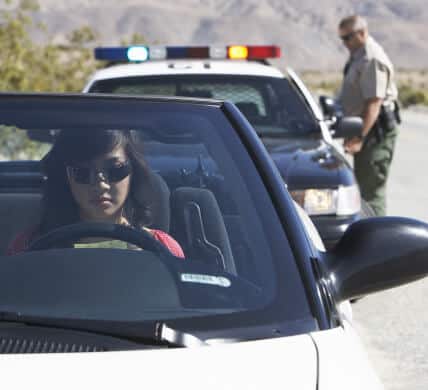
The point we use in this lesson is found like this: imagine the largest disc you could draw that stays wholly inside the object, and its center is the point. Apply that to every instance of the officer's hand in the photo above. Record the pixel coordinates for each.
(353, 145)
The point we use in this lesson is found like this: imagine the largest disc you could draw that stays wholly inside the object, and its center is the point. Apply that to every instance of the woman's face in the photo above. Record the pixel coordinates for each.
(100, 187)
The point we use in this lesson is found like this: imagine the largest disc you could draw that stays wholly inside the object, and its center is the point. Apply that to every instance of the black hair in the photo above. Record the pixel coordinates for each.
(83, 145)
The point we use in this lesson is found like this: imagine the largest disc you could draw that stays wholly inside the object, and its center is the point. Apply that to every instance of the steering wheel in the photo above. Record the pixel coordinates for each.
(75, 232)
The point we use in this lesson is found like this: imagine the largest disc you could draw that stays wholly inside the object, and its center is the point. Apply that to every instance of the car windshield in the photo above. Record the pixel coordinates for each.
(195, 235)
(272, 105)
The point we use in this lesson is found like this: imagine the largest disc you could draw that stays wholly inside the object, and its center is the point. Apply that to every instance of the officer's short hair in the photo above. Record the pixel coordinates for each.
(356, 22)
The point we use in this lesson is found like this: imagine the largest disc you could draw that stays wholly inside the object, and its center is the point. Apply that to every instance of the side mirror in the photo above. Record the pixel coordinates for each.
(376, 254)
(330, 107)
(348, 127)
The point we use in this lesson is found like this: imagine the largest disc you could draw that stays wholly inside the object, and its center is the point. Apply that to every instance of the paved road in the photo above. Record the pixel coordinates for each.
(394, 323)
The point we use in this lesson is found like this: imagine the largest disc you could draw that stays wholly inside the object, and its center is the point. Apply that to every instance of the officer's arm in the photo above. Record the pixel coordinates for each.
(371, 112)
(373, 84)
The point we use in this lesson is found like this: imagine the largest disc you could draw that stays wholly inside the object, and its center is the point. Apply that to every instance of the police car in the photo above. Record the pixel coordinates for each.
(279, 107)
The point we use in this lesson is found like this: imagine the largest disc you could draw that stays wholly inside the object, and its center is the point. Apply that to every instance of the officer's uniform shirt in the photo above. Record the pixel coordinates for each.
(368, 74)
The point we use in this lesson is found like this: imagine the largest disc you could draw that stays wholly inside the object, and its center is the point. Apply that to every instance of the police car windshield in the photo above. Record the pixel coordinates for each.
(271, 105)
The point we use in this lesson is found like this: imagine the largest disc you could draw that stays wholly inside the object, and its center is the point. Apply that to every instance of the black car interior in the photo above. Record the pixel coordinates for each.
(197, 221)
(185, 205)
(197, 188)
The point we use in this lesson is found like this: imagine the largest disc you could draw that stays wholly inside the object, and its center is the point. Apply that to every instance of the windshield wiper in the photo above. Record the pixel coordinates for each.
(147, 332)
(178, 338)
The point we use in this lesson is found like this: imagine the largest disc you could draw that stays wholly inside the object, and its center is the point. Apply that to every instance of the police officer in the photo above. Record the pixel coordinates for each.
(369, 91)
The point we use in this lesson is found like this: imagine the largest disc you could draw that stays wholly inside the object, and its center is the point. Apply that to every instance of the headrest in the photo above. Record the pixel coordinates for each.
(159, 201)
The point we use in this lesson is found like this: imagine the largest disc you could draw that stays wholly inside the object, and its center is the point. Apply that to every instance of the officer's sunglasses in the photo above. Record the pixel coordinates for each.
(347, 37)
(110, 173)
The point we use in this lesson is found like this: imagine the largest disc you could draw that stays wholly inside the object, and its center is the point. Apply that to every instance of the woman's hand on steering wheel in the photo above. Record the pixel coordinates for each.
(74, 233)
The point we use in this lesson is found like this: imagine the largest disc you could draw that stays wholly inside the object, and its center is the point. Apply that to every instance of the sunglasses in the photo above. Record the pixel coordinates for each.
(110, 174)
(347, 37)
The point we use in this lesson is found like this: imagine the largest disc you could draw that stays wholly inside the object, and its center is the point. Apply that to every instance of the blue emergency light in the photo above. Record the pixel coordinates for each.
(138, 53)
(126, 53)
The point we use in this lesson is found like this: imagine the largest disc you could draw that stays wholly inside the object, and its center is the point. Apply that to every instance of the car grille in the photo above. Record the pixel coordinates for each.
(14, 345)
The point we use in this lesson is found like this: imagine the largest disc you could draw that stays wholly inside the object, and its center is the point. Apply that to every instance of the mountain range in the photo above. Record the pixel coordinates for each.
(306, 30)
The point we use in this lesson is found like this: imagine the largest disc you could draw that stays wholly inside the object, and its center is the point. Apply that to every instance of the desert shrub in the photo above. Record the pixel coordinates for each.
(30, 66)
(27, 65)
(409, 95)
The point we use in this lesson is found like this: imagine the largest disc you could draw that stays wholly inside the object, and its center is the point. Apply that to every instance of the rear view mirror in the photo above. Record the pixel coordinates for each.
(348, 127)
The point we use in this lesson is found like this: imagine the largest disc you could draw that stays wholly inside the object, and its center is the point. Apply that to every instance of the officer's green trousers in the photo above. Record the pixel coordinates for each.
(371, 166)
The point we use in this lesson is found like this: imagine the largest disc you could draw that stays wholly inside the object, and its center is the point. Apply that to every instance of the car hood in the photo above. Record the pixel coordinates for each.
(343, 361)
(303, 162)
(279, 363)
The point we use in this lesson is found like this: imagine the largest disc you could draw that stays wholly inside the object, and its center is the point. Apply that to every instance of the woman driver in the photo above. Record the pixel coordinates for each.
(94, 176)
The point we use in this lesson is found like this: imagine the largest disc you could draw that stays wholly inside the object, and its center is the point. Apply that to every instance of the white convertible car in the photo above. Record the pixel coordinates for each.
(151, 241)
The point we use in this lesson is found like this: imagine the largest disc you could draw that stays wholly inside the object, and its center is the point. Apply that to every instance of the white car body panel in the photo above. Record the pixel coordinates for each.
(308, 96)
(279, 363)
(194, 67)
(312, 104)
(343, 362)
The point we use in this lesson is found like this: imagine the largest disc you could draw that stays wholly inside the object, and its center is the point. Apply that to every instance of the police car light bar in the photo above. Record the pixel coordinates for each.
(139, 53)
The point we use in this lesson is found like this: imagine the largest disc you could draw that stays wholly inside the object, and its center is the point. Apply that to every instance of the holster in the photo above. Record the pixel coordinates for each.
(387, 119)
(377, 131)
(397, 112)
